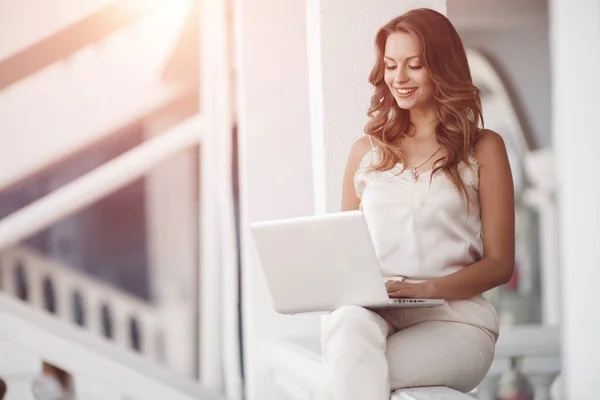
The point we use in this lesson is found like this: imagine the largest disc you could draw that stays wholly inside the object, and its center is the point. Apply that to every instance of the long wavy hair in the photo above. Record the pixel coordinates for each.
(457, 102)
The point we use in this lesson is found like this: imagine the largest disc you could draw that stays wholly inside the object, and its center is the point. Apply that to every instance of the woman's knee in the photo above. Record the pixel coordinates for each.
(438, 353)
(348, 317)
(350, 321)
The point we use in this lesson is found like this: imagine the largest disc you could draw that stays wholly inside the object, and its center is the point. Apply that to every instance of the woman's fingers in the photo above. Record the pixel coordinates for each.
(394, 285)
(403, 289)
(396, 289)
(395, 294)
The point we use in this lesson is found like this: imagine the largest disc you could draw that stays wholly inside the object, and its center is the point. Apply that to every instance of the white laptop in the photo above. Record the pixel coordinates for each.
(323, 262)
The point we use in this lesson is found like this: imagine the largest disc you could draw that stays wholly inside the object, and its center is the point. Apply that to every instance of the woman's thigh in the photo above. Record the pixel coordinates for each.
(439, 353)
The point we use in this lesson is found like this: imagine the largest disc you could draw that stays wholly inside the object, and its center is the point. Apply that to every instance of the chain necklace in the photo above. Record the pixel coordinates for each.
(414, 169)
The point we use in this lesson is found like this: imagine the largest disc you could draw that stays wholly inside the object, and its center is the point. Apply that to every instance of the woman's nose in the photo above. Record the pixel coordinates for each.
(401, 75)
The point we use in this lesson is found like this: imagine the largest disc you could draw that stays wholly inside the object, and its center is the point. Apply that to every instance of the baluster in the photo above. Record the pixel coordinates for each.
(62, 293)
(93, 317)
(68, 287)
(147, 334)
(159, 342)
(541, 384)
(7, 269)
(120, 325)
(488, 387)
(35, 286)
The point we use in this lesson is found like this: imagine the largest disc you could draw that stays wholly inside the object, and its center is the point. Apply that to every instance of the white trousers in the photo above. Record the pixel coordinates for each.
(367, 355)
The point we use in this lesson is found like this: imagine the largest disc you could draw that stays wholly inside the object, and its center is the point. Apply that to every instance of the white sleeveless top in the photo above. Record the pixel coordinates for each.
(423, 229)
(420, 229)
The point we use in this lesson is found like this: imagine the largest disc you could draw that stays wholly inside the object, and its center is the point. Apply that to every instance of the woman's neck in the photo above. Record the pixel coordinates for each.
(423, 122)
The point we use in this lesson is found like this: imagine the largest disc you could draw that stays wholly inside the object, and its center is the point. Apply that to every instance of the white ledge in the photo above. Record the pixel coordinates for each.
(296, 367)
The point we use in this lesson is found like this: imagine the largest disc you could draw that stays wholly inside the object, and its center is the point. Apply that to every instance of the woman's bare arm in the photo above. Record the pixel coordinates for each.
(349, 199)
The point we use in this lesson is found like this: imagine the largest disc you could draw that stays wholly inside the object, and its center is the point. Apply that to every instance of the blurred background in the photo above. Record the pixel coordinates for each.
(140, 138)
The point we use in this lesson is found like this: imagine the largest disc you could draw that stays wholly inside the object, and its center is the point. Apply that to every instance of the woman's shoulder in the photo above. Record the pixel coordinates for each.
(488, 147)
(360, 148)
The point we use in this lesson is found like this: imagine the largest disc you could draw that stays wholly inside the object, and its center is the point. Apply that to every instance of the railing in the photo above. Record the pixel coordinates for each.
(539, 348)
(91, 359)
(219, 361)
(104, 315)
(78, 299)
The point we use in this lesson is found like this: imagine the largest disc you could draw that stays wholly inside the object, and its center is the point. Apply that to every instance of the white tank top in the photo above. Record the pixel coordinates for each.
(421, 228)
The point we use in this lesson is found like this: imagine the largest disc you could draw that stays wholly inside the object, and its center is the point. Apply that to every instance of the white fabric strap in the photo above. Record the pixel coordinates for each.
(372, 144)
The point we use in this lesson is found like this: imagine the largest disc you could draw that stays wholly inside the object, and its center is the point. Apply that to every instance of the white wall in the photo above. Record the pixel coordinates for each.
(575, 48)
(339, 80)
(276, 144)
(492, 14)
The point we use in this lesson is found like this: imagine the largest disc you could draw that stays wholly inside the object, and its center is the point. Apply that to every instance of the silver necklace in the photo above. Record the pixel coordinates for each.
(414, 169)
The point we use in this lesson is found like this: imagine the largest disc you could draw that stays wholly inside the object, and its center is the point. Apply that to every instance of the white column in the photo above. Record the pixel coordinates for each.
(575, 49)
(540, 167)
(171, 229)
(275, 161)
(220, 363)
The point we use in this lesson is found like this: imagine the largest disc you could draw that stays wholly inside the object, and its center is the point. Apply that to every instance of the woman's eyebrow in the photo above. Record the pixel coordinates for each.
(407, 58)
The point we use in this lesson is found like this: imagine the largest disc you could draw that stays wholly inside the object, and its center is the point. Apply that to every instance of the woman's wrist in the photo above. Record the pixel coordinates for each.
(431, 289)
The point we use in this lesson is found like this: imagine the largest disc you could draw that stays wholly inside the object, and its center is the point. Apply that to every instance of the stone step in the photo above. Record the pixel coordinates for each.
(18, 387)
(17, 361)
(88, 389)
(429, 393)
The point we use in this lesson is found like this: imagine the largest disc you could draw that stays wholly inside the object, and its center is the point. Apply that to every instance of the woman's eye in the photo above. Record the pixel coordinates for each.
(390, 67)
(415, 67)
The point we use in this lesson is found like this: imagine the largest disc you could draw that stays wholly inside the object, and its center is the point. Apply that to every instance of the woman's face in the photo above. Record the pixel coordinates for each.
(405, 74)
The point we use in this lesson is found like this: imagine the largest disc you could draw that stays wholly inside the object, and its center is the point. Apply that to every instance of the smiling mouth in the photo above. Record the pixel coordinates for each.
(405, 92)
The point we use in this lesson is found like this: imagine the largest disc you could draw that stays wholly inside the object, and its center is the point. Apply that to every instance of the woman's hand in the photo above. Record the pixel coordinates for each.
(422, 290)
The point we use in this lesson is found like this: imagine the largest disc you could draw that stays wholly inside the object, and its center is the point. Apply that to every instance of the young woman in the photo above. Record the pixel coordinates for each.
(437, 193)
